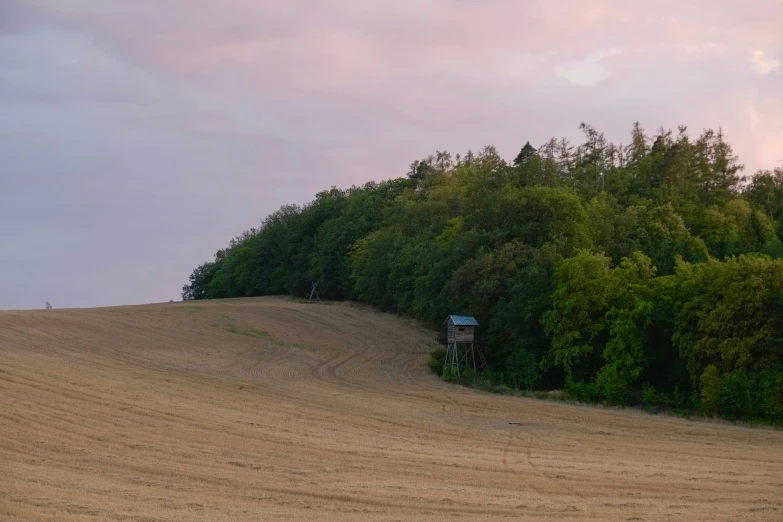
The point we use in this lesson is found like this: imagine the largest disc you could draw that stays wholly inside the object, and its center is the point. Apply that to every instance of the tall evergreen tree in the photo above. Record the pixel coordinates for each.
(527, 152)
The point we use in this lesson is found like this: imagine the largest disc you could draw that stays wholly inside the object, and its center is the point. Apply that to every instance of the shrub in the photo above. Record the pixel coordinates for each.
(770, 389)
(437, 360)
(523, 370)
(467, 376)
(492, 376)
(650, 398)
(680, 399)
(449, 372)
(612, 386)
(736, 397)
(581, 391)
(710, 389)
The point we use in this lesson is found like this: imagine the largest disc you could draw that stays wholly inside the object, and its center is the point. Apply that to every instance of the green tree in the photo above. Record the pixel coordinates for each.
(575, 322)
(526, 153)
(629, 293)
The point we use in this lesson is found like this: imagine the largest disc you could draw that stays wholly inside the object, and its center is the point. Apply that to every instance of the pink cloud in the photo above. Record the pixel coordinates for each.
(431, 61)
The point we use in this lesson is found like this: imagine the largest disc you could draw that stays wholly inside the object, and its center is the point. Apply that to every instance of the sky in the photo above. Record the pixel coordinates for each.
(137, 137)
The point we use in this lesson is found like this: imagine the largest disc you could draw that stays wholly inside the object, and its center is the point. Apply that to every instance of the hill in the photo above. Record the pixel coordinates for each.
(272, 409)
(648, 274)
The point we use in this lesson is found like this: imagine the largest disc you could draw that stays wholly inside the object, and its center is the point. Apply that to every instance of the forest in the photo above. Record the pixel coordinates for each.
(648, 273)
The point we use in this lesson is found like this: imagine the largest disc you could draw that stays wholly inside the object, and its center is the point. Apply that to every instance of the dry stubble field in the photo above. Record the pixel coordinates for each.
(270, 409)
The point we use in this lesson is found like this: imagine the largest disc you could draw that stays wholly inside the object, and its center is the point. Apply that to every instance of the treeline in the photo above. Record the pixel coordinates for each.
(647, 273)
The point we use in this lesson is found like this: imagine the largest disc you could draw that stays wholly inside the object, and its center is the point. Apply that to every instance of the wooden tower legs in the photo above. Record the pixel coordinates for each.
(470, 356)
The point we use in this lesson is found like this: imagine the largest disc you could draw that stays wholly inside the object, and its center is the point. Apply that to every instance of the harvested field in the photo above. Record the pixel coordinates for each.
(271, 409)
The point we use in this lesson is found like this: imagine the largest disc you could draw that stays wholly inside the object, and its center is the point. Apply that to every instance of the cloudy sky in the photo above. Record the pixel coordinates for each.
(137, 137)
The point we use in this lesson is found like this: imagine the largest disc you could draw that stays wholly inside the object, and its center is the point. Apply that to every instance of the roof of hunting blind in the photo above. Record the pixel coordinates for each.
(463, 320)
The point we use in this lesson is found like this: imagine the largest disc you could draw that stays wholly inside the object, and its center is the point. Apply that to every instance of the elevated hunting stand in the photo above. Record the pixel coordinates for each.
(461, 347)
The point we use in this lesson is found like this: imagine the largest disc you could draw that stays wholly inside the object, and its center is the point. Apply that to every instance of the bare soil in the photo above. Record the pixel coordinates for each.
(271, 409)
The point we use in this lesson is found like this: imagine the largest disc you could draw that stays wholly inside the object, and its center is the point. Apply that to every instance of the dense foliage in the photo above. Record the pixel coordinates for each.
(649, 273)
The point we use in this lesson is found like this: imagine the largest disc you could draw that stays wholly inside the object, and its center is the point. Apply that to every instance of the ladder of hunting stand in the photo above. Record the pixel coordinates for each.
(314, 292)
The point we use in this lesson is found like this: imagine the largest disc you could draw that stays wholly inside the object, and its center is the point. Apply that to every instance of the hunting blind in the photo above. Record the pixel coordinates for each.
(460, 343)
